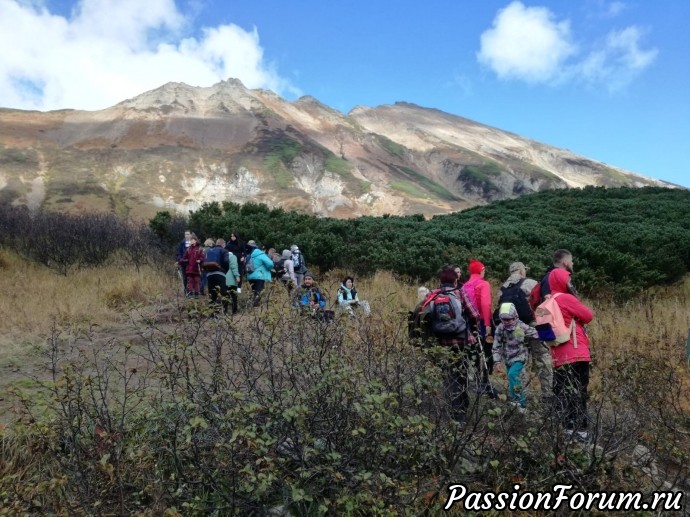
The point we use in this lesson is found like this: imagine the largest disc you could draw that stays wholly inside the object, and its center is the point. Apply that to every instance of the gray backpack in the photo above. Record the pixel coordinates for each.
(445, 313)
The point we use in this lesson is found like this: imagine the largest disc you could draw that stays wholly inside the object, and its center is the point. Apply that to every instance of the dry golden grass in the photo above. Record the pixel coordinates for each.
(33, 298)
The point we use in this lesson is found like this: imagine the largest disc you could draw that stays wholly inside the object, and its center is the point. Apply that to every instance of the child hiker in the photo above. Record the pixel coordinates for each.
(510, 347)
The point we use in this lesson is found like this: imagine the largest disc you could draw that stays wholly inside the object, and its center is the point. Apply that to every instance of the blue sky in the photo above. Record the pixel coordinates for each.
(606, 79)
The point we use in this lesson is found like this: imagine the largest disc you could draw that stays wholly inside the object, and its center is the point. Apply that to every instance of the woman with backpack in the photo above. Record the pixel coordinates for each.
(285, 270)
(259, 267)
(445, 316)
(571, 359)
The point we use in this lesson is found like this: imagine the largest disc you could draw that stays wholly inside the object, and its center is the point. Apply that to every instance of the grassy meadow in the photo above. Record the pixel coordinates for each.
(148, 406)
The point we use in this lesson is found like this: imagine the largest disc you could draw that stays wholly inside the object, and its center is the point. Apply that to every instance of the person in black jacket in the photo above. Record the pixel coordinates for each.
(216, 266)
(238, 248)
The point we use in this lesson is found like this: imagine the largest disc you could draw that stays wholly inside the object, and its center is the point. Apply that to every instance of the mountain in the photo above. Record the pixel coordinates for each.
(179, 146)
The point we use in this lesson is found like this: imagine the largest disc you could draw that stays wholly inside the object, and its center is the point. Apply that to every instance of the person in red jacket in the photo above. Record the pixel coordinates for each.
(193, 257)
(571, 359)
(478, 291)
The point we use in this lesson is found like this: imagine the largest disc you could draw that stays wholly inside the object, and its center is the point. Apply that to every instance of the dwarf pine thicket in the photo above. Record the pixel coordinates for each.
(168, 411)
(624, 239)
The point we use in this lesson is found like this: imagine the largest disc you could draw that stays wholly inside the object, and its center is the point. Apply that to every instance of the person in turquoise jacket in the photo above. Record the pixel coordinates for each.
(232, 278)
(259, 267)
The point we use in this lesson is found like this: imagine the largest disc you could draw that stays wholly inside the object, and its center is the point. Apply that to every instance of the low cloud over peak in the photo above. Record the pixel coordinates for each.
(106, 51)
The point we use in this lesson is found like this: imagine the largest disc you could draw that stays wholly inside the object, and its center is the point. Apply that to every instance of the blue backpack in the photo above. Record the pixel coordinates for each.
(214, 260)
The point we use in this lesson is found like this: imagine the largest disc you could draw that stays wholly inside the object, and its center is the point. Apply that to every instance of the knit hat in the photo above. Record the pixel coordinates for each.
(517, 266)
(310, 275)
(252, 244)
(286, 254)
(476, 267)
(507, 311)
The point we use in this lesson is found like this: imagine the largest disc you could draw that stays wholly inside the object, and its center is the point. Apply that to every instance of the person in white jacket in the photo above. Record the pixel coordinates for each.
(287, 267)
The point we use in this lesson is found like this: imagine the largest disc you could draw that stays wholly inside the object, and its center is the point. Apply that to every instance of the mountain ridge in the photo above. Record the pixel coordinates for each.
(178, 146)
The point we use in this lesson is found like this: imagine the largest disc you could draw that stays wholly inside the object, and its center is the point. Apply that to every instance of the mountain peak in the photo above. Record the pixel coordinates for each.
(229, 95)
(178, 146)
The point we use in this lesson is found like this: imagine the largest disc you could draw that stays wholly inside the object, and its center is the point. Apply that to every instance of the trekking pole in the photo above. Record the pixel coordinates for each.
(484, 366)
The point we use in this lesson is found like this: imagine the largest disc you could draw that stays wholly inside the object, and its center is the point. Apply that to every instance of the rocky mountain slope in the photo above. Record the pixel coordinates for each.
(178, 146)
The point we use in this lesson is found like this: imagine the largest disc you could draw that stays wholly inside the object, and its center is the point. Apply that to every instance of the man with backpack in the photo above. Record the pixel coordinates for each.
(562, 259)
(446, 315)
(569, 351)
(216, 264)
(516, 290)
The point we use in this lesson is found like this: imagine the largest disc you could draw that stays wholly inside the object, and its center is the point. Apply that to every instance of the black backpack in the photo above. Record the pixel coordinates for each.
(515, 295)
(280, 268)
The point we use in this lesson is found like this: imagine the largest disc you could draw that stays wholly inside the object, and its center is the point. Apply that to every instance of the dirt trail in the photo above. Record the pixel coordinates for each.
(24, 365)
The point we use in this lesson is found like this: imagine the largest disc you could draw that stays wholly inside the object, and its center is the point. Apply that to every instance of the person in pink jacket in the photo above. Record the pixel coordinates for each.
(478, 291)
(571, 360)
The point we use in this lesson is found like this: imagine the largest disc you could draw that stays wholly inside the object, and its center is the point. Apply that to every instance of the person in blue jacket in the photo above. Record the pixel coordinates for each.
(258, 267)
(308, 297)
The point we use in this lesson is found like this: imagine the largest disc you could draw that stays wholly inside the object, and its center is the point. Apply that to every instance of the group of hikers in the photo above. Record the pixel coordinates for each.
(544, 320)
(219, 268)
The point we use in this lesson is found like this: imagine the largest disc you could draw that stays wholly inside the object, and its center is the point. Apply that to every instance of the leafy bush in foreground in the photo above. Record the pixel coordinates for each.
(210, 416)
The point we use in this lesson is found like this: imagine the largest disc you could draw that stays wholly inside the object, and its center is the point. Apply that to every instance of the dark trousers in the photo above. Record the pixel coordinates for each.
(570, 383)
(218, 290)
(232, 292)
(456, 383)
(257, 287)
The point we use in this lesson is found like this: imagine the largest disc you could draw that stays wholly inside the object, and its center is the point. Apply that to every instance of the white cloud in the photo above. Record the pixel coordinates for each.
(106, 51)
(618, 61)
(615, 8)
(526, 43)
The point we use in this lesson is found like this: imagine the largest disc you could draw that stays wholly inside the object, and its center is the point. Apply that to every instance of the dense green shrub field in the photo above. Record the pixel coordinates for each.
(623, 240)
